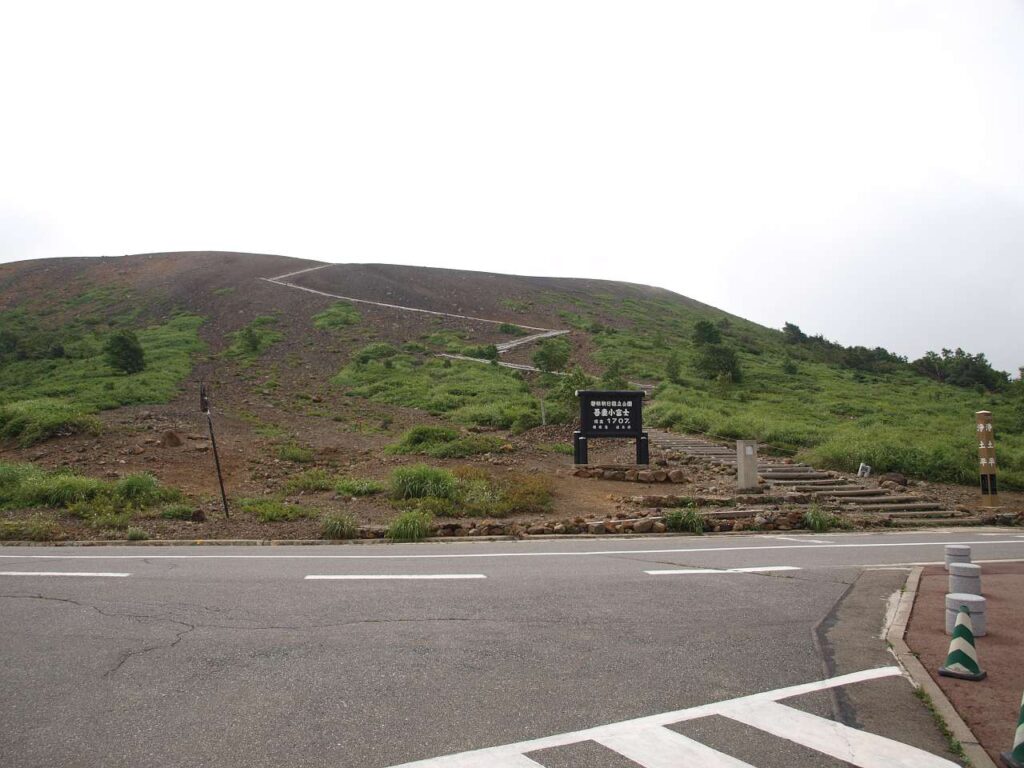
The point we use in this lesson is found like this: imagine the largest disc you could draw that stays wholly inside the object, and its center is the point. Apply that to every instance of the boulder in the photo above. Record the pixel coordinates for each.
(659, 527)
(595, 528)
(170, 439)
(894, 477)
(643, 525)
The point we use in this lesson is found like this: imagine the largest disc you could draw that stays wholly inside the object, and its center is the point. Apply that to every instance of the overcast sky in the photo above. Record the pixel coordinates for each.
(854, 167)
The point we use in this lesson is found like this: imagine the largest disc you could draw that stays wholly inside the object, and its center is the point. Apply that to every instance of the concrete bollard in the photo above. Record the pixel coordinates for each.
(965, 578)
(975, 604)
(746, 465)
(957, 553)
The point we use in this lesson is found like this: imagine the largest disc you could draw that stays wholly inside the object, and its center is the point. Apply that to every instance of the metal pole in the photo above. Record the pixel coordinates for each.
(204, 405)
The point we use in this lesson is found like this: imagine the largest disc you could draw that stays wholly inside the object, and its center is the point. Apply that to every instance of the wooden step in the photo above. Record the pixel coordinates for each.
(923, 506)
(883, 500)
(841, 492)
(806, 485)
(770, 476)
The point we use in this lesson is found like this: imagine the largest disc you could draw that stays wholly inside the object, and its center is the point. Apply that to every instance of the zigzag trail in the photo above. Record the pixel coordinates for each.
(503, 347)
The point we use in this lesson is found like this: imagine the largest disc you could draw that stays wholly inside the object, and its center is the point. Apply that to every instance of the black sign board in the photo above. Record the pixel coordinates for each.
(610, 413)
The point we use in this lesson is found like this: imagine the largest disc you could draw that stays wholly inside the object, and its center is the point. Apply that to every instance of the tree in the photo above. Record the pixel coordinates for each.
(552, 355)
(613, 377)
(792, 334)
(672, 368)
(705, 332)
(124, 352)
(716, 360)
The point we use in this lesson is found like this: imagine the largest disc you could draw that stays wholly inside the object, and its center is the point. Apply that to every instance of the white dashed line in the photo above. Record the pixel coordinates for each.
(692, 571)
(399, 577)
(800, 539)
(64, 573)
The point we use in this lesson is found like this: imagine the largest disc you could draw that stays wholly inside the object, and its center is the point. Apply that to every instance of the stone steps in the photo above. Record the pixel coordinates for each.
(880, 499)
(928, 506)
(837, 491)
(772, 476)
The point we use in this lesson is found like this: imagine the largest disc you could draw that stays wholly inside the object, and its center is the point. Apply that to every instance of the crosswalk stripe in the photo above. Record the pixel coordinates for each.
(865, 750)
(661, 748)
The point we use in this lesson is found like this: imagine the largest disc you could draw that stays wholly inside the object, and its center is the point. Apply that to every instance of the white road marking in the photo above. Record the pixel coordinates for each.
(682, 572)
(854, 746)
(640, 739)
(405, 576)
(59, 573)
(595, 553)
(800, 539)
(661, 748)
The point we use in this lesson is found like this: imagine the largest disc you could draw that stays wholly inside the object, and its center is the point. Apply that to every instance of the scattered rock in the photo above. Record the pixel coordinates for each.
(643, 525)
(536, 530)
(170, 439)
(595, 528)
(893, 477)
(659, 527)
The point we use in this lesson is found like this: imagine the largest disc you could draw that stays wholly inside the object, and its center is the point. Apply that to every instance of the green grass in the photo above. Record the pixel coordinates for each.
(351, 486)
(36, 528)
(688, 520)
(419, 481)
(444, 443)
(177, 512)
(272, 510)
(296, 453)
(42, 398)
(339, 315)
(463, 392)
(339, 526)
(136, 534)
(411, 525)
(310, 480)
(252, 340)
(820, 520)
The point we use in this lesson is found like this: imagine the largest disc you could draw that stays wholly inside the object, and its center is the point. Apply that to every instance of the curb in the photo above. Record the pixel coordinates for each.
(919, 675)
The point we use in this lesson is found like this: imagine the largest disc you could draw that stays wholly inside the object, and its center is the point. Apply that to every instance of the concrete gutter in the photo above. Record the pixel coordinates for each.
(895, 633)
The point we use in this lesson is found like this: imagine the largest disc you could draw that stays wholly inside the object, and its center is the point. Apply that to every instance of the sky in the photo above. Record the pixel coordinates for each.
(856, 167)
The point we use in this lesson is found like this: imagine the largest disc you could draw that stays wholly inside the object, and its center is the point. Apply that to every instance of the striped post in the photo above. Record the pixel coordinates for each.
(1015, 757)
(987, 459)
(962, 660)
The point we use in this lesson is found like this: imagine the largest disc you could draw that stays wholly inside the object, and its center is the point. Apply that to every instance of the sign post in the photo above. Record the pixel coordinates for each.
(204, 406)
(987, 459)
(610, 413)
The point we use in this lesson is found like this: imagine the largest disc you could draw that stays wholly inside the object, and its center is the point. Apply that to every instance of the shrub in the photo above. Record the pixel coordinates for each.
(339, 525)
(511, 328)
(350, 486)
(526, 494)
(124, 352)
(685, 520)
(420, 480)
(411, 525)
(423, 436)
(705, 333)
(296, 453)
(552, 354)
(250, 341)
(136, 534)
(310, 480)
(716, 360)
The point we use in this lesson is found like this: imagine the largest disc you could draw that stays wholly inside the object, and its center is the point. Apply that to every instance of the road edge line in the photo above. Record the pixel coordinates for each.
(919, 675)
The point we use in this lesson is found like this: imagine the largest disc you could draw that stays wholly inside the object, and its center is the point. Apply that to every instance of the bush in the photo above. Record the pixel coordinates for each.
(512, 329)
(420, 480)
(411, 525)
(552, 354)
(296, 453)
(339, 526)
(715, 360)
(438, 507)
(124, 352)
(350, 486)
(136, 534)
(310, 480)
(417, 439)
(685, 520)
(705, 333)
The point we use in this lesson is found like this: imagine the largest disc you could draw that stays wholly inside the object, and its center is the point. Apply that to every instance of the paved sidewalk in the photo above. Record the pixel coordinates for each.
(989, 707)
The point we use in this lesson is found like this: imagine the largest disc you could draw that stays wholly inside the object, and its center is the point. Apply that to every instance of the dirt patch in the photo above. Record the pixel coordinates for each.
(990, 706)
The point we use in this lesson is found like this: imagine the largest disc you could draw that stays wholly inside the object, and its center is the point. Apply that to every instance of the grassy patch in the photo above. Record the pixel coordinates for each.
(339, 526)
(353, 486)
(688, 520)
(296, 453)
(52, 396)
(36, 528)
(820, 520)
(177, 512)
(411, 525)
(444, 443)
(272, 510)
(252, 340)
(136, 534)
(339, 315)
(471, 492)
(420, 481)
(310, 480)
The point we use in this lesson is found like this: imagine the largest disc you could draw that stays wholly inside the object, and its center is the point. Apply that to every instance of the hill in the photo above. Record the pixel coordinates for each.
(329, 367)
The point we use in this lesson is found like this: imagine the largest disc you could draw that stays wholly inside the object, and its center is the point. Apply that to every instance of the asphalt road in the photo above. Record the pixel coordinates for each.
(223, 656)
